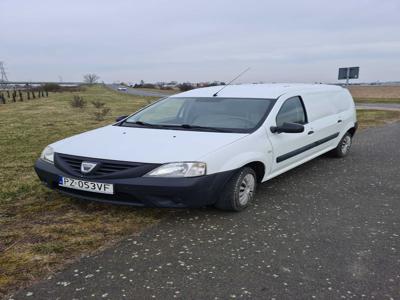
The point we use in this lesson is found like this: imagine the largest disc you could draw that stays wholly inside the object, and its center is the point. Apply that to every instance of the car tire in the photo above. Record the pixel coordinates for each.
(343, 148)
(239, 192)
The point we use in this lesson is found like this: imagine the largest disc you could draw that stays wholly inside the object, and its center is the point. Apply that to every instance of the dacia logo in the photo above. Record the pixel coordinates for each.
(87, 167)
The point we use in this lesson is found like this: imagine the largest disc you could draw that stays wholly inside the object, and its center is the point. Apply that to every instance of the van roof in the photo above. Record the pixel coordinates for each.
(269, 91)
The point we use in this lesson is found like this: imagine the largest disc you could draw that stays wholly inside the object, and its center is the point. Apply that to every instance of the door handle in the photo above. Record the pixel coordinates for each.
(310, 132)
(339, 121)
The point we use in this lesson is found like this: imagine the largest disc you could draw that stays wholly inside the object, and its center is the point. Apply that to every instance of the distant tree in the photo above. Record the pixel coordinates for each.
(90, 78)
(148, 86)
(216, 83)
(51, 87)
(185, 87)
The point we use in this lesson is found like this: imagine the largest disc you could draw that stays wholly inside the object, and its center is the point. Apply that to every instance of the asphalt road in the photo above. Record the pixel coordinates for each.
(329, 229)
(138, 92)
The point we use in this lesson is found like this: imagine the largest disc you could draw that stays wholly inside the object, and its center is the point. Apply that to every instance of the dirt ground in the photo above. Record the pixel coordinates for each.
(377, 92)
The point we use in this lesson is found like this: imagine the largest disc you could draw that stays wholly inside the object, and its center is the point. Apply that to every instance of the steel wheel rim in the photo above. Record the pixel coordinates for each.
(246, 189)
(346, 143)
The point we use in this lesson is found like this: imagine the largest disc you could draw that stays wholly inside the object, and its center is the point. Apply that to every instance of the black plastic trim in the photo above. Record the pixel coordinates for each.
(306, 148)
(144, 191)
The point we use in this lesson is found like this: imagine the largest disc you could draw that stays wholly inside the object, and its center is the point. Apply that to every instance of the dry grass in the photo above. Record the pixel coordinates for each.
(388, 94)
(156, 90)
(370, 118)
(377, 100)
(41, 230)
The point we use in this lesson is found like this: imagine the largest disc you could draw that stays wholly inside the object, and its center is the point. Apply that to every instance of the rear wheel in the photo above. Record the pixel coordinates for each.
(343, 147)
(239, 191)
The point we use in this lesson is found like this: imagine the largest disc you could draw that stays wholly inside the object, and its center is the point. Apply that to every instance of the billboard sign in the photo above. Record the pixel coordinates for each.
(349, 73)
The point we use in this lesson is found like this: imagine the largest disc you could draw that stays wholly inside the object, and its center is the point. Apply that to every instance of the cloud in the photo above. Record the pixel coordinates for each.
(303, 41)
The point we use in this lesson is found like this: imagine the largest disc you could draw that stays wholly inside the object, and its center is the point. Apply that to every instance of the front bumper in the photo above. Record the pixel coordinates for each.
(144, 191)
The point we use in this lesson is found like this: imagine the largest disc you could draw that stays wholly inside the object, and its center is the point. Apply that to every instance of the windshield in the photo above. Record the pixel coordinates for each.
(214, 114)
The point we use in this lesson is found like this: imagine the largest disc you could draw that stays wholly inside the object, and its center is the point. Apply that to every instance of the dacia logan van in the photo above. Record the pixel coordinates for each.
(203, 147)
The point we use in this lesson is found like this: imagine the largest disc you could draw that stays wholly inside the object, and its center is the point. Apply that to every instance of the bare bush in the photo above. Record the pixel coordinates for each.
(78, 102)
(98, 104)
(100, 114)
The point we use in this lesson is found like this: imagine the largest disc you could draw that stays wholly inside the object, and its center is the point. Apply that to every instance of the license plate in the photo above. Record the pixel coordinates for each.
(88, 186)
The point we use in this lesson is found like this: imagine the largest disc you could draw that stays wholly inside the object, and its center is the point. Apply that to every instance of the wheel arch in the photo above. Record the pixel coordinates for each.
(259, 169)
(353, 129)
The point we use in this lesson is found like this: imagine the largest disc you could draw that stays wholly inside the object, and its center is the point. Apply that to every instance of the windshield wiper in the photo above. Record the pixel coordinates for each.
(141, 123)
(185, 126)
(188, 126)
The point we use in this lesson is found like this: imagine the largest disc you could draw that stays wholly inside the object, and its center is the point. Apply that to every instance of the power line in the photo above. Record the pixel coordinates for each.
(3, 79)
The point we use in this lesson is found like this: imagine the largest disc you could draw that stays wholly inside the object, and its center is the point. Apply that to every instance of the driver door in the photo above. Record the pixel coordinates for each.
(289, 148)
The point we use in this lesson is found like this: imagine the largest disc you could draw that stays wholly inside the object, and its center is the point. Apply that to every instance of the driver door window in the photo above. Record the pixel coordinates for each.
(292, 111)
(289, 147)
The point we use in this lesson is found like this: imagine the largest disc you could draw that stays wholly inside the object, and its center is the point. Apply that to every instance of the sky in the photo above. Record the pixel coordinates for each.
(281, 41)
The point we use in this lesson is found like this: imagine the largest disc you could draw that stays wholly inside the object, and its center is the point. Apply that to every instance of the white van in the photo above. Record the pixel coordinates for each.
(203, 147)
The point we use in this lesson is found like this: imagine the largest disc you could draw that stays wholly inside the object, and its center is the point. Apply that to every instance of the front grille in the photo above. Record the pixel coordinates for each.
(102, 169)
(72, 164)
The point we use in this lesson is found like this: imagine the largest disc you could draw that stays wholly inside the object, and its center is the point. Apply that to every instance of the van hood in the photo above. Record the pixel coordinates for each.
(146, 145)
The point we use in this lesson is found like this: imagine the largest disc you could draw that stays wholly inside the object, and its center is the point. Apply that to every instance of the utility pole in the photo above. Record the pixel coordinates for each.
(3, 76)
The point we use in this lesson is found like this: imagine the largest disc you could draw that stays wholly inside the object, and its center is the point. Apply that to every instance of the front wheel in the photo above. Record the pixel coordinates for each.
(343, 147)
(239, 191)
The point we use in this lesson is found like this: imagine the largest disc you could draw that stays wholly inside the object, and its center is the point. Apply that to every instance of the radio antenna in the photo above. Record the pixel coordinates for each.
(216, 94)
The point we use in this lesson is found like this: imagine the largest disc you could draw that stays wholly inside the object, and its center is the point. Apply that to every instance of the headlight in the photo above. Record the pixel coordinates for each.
(179, 169)
(48, 155)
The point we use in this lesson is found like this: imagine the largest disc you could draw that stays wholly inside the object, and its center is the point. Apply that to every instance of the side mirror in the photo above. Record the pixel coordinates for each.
(120, 118)
(288, 128)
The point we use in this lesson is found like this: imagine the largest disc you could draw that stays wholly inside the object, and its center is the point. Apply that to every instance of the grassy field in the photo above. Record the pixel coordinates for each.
(41, 230)
(370, 118)
(375, 94)
(377, 100)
